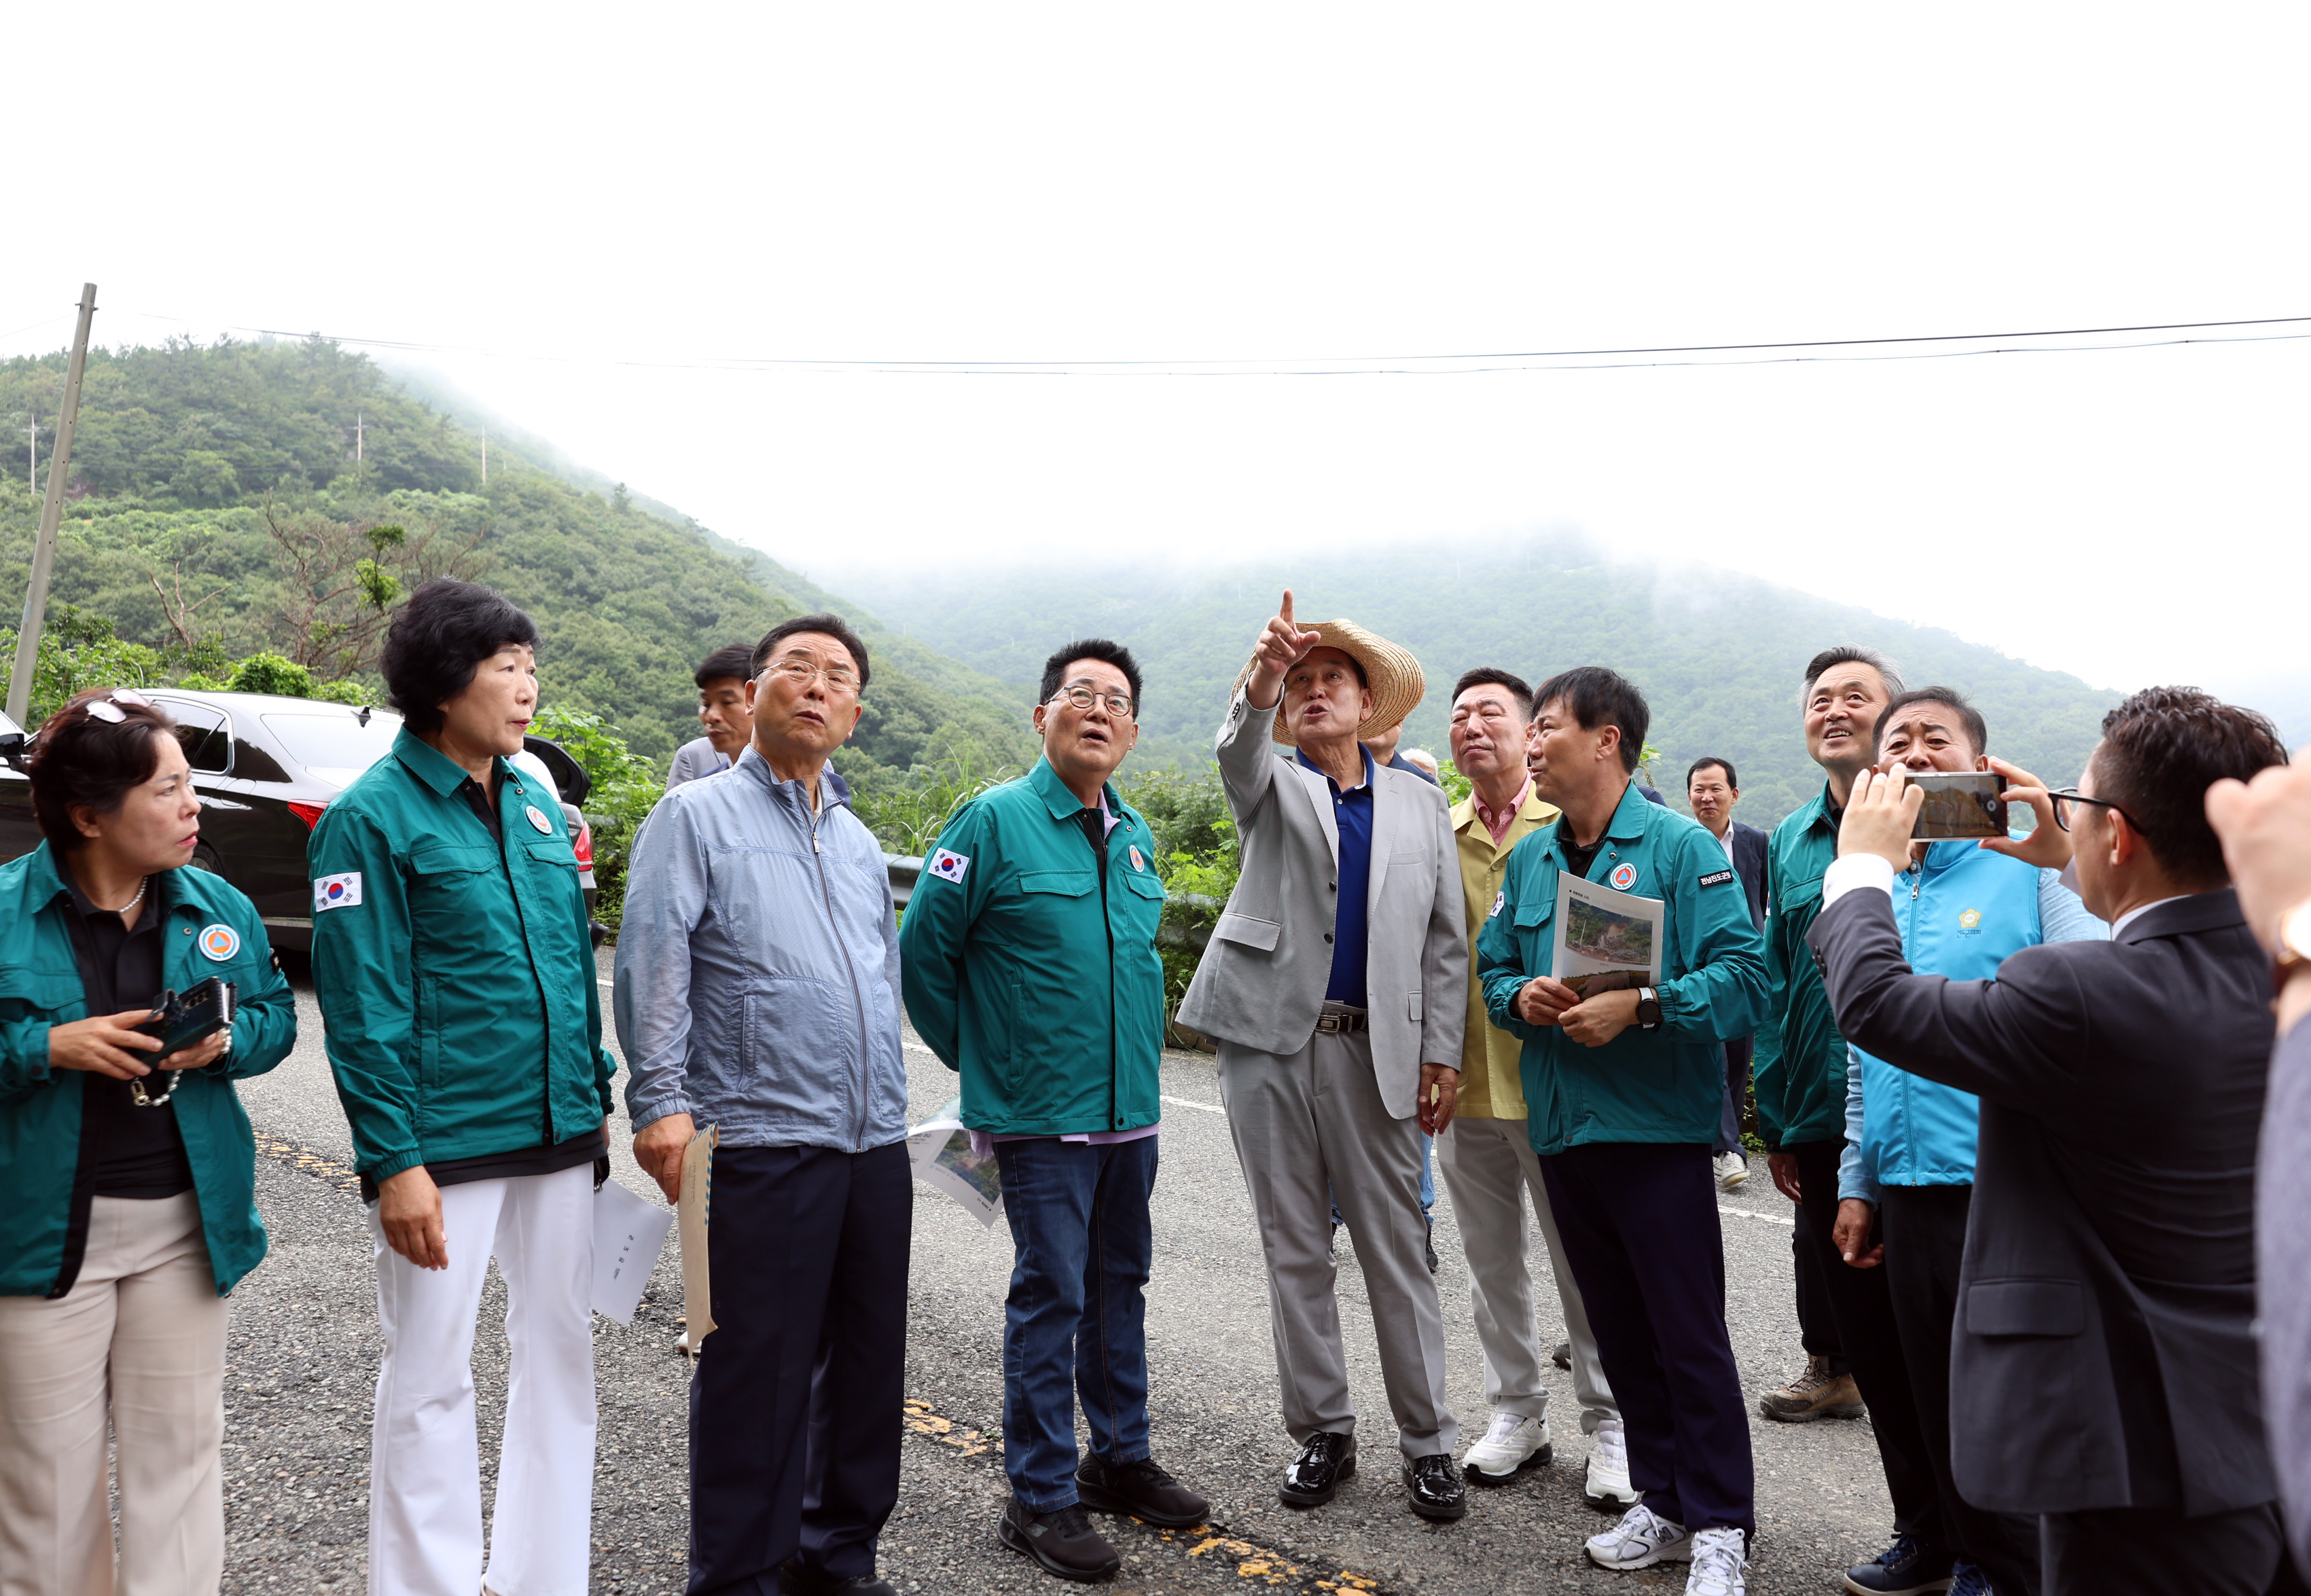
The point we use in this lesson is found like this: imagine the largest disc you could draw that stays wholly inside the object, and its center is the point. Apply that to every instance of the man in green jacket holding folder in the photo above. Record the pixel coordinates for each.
(1028, 963)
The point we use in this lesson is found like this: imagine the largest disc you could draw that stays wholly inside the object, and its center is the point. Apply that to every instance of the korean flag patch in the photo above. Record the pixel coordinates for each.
(336, 891)
(1500, 901)
(949, 865)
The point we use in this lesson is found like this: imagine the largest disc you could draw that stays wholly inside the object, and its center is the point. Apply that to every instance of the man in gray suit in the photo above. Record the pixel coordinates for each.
(1336, 984)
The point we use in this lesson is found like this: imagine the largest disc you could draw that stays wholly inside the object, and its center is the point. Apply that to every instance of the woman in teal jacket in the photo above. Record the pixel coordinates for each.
(130, 1189)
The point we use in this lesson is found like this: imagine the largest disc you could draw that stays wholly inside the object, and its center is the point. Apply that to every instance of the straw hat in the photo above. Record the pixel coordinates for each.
(1391, 673)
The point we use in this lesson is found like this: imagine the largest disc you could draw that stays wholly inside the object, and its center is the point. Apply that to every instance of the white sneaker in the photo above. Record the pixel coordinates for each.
(1731, 1168)
(1719, 1567)
(1641, 1540)
(1607, 1484)
(1513, 1444)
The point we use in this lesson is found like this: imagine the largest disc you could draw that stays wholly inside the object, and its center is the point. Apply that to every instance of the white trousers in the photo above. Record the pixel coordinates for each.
(1490, 1169)
(140, 1337)
(424, 1476)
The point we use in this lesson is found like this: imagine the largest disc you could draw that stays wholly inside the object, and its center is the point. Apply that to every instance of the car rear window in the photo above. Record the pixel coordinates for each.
(334, 745)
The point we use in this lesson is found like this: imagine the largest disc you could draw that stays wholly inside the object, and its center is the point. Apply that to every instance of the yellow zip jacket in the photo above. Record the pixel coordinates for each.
(1491, 1088)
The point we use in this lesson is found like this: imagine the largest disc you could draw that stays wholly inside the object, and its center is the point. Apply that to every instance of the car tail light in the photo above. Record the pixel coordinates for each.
(584, 844)
(310, 814)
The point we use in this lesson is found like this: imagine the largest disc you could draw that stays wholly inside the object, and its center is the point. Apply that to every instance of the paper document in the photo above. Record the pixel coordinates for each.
(697, 1187)
(940, 1148)
(1600, 931)
(628, 1233)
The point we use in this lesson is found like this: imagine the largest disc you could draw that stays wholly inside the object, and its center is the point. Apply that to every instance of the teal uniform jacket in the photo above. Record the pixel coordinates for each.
(1031, 975)
(1666, 1085)
(1798, 1064)
(207, 928)
(456, 978)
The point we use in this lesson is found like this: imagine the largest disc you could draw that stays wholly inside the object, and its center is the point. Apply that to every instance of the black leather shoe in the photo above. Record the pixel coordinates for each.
(1063, 1542)
(1141, 1489)
(1563, 1356)
(796, 1580)
(1316, 1475)
(1435, 1488)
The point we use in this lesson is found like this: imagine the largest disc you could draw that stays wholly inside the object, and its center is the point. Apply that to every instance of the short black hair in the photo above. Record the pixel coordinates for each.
(1850, 654)
(1969, 716)
(437, 640)
(1705, 762)
(1598, 697)
(825, 625)
(1090, 648)
(1485, 675)
(2160, 751)
(86, 761)
(730, 662)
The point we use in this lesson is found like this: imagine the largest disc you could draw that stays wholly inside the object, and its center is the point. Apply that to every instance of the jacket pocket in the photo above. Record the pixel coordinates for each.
(1412, 1007)
(553, 850)
(2025, 1308)
(1066, 883)
(1537, 911)
(1246, 931)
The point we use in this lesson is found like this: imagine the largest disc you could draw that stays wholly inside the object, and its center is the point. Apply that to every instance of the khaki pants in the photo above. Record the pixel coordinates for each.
(144, 1325)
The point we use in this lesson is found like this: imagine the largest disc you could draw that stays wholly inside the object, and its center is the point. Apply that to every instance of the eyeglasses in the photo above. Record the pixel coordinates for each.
(1083, 698)
(802, 673)
(2071, 795)
(107, 708)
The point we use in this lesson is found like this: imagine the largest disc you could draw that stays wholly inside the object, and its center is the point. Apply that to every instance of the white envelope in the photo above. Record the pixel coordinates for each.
(628, 1231)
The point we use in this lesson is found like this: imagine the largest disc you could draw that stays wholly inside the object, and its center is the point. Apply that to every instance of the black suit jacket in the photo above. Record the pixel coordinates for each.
(2102, 1355)
(1749, 865)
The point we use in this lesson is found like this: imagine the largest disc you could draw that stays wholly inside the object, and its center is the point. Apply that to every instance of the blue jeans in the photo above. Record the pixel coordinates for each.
(1079, 1223)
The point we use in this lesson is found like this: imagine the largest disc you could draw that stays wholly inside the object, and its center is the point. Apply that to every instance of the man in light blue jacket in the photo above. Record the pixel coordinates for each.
(757, 991)
(1906, 1182)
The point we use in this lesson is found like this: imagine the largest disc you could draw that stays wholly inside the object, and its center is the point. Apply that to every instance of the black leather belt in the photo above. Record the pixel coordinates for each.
(1338, 1017)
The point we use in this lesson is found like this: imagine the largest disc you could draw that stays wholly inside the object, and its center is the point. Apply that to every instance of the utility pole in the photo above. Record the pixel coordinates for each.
(44, 550)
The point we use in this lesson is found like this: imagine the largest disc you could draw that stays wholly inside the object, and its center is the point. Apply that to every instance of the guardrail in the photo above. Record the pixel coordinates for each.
(906, 870)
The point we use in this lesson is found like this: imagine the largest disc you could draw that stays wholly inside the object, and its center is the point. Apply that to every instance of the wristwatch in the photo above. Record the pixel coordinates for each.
(1648, 1009)
(2294, 954)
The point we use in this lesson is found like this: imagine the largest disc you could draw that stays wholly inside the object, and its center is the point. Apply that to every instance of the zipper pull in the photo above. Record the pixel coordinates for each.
(813, 840)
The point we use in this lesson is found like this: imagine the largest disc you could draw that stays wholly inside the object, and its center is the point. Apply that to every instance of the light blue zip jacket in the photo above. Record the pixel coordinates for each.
(1961, 914)
(757, 976)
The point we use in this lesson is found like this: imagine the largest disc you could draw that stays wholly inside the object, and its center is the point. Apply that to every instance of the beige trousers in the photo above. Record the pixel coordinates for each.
(140, 1339)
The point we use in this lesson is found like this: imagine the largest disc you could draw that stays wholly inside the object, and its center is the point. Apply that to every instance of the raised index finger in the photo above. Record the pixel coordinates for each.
(1285, 614)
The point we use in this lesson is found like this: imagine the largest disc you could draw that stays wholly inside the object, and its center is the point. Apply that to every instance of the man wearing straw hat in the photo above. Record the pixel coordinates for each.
(1335, 984)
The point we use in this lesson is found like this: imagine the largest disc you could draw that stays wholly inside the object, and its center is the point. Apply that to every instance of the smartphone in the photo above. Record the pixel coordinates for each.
(188, 1016)
(1960, 804)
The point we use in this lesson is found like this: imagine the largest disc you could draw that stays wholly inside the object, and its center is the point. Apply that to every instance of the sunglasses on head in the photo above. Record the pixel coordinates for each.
(107, 708)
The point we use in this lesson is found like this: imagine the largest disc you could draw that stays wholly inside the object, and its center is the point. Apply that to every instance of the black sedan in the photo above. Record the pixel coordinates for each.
(265, 768)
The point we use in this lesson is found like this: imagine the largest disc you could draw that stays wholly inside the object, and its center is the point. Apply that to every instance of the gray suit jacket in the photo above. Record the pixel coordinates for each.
(1261, 981)
(2283, 1248)
(2102, 1336)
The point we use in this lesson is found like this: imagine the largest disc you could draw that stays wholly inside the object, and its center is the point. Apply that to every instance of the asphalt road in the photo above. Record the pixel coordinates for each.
(304, 1352)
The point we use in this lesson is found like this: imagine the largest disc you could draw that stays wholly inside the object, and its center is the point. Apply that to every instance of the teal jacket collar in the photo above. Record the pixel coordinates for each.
(43, 883)
(1061, 800)
(1630, 820)
(429, 765)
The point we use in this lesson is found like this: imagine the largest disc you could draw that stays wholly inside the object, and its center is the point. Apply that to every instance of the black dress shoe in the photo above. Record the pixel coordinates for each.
(1063, 1542)
(796, 1580)
(1316, 1475)
(1563, 1356)
(1435, 1488)
(1141, 1489)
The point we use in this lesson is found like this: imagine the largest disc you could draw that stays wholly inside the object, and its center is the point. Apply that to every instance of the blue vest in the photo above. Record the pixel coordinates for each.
(1961, 914)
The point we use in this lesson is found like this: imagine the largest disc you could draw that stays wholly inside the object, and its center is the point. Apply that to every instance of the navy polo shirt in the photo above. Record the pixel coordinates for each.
(1352, 813)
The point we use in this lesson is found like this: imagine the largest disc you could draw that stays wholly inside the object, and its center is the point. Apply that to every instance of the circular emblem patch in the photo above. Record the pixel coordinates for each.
(1137, 863)
(1623, 877)
(219, 942)
(537, 818)
(1970, 919)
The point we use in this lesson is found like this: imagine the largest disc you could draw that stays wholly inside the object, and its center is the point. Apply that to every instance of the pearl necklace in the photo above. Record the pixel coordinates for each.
(141, 888)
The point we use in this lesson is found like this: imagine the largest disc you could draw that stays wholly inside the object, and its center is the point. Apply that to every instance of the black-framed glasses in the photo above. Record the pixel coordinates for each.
(2071, 795)
(1083, 698)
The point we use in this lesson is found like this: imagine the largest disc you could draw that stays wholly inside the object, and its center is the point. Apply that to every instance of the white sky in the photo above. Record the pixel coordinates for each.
(1069, 182)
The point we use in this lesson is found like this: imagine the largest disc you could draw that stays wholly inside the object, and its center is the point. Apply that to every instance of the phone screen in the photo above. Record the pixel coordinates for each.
(1960, 804)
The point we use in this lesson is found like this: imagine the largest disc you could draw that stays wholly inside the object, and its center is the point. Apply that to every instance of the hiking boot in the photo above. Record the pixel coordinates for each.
(1063, 1542)
(1721, 1564)
(1434, 1488)
(1316, 1475)
(1642, 1539)
(1908, 1567)
(1607, 1484)
(1141, 1489)
(1815, 1394)
(1513, 1444)
(1967, 1579)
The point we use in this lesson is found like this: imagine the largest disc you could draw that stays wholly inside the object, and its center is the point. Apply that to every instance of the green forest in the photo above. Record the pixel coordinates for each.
(1718, 655)
(217, 511)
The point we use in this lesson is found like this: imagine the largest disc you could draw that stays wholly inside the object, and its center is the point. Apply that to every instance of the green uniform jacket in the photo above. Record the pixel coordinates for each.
(1662, 1085)
(1031, 974)
(457, 978)
(39, 1109)
(1800, 1061)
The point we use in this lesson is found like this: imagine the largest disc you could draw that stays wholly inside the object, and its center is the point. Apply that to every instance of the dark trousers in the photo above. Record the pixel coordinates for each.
(795, 1403)
(1075, 1323)
(1925, 1244)
(2126, 1552)
(1863, 1308)
(1639, 1224)
(1737, 1098)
